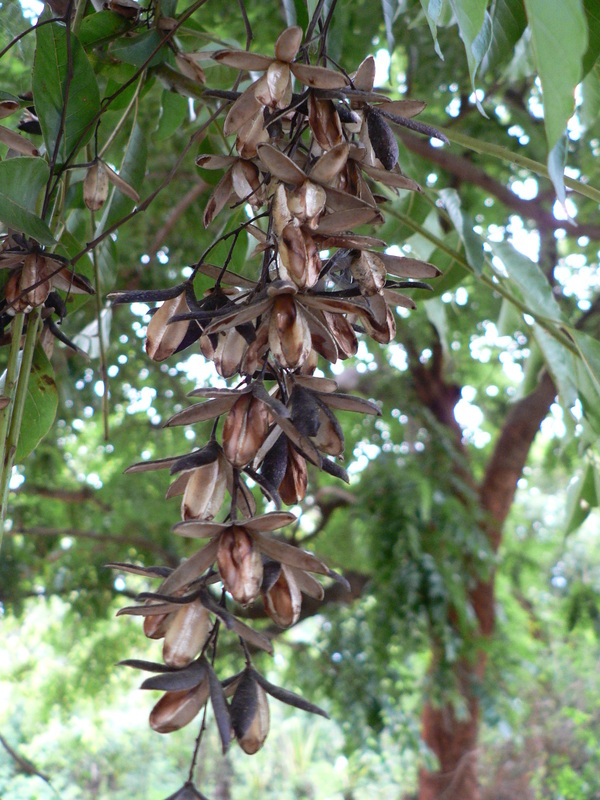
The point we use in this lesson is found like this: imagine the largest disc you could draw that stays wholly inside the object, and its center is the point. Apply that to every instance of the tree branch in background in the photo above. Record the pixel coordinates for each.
(467, 172)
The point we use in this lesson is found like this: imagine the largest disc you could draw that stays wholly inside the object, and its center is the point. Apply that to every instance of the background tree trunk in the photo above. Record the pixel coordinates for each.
(453, 740)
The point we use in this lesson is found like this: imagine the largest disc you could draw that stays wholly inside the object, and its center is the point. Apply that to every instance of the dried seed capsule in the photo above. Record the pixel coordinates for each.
(289, 334)
(95, 186)
(162, 338)
(293, 486)
(283, 600)
(186, 635)
(205, 491)
(250, 714)
(245, 429)
(175, 710)
(240, 564)
(382, 139)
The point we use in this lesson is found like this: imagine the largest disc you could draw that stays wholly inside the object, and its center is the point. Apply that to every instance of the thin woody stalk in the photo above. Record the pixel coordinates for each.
(12, 439)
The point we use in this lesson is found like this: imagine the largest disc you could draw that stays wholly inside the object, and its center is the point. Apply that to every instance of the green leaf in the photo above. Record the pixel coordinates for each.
(592, 12)
(508, 25)
(557, 160)
(40, 404)
(475, 28)
(133, 169)
(138, 48)
(433, 10)
(559, 66)
(389, 8)
(22, 179)
(530, 280)
(21, 219)
(464, 226)
(101, 27)
(590, 93)
(173, 111)
(587, 375)
(581, 498)
(560, 363)
(50, 69)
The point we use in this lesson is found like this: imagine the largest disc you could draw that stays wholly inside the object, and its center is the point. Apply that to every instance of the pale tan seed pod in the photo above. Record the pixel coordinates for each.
(276, 90)
(245, 429)
(189, 67)
(324, 122)
(246, 182)
(289, 334)
(229, 352)
(283, 601)
(307, 203)
(343, 333)
(369, 272)
(186, 635)
(175, 710)
(250, 135)
(162, 338)
(240, 565)
(95, 186)
(205, 491)
(383, 333)
(299, 257)
(329, 437)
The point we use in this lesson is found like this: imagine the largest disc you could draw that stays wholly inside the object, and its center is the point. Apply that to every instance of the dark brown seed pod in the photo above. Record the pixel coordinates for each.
(382, 139)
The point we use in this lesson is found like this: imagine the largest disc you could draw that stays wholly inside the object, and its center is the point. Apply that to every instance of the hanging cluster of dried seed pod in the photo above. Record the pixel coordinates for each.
(306, 166)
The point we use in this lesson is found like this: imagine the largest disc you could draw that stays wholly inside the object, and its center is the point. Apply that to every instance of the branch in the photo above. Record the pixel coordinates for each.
(182, 206)
(468, 172)
(83, 495)
(143, 544)
(510, 454)
(24, 765)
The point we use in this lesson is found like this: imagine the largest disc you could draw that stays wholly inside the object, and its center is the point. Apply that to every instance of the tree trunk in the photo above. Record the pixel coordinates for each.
(452, 740)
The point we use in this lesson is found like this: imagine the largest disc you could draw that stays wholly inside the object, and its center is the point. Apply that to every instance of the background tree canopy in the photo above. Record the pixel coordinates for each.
(459, 659)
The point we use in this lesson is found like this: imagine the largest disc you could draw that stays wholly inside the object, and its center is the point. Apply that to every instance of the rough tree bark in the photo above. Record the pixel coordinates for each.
(453, 740)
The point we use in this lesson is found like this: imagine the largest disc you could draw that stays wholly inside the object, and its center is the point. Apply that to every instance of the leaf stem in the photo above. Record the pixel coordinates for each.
(503, 153)
(9, 387)
(12, 439)
(549, 325)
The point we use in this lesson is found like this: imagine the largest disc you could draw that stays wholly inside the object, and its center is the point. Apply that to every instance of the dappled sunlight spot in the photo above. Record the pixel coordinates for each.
(140, 400)
(382, 67)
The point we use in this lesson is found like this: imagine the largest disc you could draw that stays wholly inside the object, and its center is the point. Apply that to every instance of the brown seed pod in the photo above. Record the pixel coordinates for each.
(186, 635)
(177, 709)
(283, 600)
(240, 564)
(245, 429)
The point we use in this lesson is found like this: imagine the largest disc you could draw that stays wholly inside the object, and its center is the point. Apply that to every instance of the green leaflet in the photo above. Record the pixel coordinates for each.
(559, 66)
(50, 85)
(464, 226)
(40, 404)
(592, 12)
(508, 24)
(530, 280)
(475, 27)
(587, 375)
(433, 10)
(582, 496)
(21, 181)
(173, 112)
